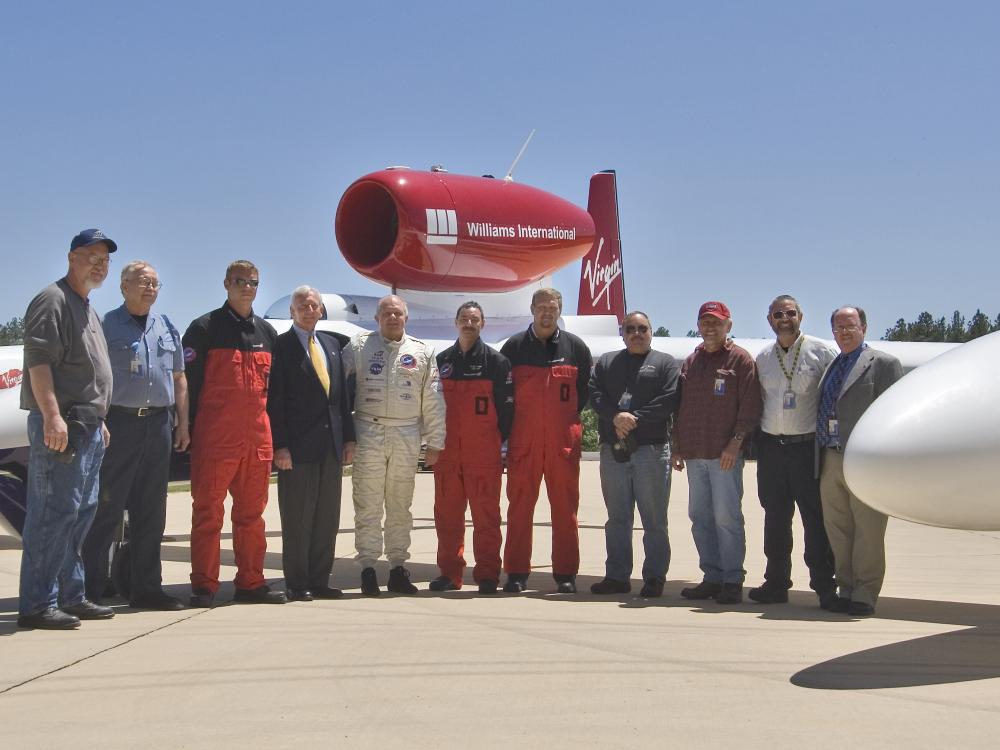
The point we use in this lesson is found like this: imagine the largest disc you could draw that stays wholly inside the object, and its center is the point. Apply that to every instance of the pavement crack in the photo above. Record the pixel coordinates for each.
(94, 655)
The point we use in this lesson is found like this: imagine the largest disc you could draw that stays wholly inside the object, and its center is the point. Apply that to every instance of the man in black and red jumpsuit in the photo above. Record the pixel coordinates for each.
(479, 400)
(227, 355)
(551, 371)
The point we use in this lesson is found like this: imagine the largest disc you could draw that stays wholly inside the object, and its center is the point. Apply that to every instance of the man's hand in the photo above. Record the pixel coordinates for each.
(349, 453)
(729, 454)
(677, 462)
(182, 438)
(624, 422)
(56, 433)
(431, 456)
(105, 435)
(283, 459)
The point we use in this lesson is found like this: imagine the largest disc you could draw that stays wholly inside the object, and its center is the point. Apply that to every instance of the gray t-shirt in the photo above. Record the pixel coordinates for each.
(63, 331)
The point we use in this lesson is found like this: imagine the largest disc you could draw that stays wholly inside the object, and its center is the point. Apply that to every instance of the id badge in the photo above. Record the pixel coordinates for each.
(833, 428)
(135, 366)
(720, 387)
(788, 401)
(625, 402)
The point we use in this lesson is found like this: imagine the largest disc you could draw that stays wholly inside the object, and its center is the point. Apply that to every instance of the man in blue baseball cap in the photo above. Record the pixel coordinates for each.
(66, 392)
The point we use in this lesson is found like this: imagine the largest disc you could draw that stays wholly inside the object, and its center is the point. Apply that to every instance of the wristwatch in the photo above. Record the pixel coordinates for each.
(738, 437)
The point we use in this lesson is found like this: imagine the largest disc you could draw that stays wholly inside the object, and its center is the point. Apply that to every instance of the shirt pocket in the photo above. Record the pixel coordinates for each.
(166, 353)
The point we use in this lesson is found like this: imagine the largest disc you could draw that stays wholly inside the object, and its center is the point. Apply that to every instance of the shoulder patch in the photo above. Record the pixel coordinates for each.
(445, 370)
(190, 354)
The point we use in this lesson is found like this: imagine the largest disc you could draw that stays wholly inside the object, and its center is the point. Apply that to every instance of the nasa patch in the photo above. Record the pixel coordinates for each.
(446, 369)
(375, 368)
(407, 361)
(189, 354)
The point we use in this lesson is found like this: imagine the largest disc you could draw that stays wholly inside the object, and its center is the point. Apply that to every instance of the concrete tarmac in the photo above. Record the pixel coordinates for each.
(535, 670)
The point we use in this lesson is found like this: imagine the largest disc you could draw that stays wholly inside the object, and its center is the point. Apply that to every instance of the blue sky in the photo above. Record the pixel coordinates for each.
(843, 152)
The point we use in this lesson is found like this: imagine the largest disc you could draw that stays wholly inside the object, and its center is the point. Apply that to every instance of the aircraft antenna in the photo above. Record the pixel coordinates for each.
(510, 172)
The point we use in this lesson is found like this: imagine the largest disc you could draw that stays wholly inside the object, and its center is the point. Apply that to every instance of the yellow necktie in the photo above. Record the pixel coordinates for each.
(316, 356)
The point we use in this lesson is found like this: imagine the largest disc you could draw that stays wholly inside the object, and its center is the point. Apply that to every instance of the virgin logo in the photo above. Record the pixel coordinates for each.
(10, 379)
(600, 277)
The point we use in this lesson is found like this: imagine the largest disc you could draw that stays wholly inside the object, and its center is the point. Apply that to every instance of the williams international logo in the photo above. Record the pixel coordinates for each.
(442, 226)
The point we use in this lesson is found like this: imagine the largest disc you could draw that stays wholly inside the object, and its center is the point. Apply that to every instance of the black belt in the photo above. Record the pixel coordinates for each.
(790, 439)
(142, 411)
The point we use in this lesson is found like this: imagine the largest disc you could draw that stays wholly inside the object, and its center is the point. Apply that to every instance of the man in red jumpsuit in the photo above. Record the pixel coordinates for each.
(227, 353)
(551, 371)
(479, 400)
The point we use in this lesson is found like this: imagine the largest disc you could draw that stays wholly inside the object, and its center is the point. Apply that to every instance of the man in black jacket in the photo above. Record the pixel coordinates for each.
(313, 435)
(634, 392)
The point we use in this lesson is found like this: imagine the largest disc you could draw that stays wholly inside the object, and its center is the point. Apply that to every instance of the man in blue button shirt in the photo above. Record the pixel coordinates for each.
(147, 363)
(857, 377)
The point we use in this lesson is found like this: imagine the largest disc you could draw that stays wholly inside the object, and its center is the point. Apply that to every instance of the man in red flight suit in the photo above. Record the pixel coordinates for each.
(228, 359)
(479, 399)
(551, 371)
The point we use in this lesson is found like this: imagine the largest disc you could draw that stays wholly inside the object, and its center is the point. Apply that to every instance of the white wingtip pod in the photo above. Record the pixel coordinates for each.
(928, 449)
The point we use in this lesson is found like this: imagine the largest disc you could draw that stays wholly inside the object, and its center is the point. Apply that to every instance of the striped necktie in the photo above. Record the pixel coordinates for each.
(316, 357)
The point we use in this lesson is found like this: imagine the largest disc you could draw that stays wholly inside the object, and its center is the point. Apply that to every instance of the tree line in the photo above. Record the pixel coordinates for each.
(957, 331)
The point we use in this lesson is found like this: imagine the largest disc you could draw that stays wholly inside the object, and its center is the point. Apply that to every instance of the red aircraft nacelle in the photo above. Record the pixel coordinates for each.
(439, 232)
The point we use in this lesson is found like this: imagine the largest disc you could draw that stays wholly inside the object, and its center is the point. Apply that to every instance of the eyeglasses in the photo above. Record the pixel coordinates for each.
(244, 283)
(779, 314)
(846, 329)
(149, 284)
(636, 329)
(98, 260)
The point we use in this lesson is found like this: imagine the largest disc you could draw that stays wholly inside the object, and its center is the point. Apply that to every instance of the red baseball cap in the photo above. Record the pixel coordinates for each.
(715, 309)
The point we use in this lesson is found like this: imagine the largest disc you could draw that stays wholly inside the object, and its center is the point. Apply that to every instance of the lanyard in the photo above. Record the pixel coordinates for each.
(795, 363)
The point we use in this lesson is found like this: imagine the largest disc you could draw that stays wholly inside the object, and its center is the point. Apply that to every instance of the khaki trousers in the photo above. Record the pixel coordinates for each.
(856, 533)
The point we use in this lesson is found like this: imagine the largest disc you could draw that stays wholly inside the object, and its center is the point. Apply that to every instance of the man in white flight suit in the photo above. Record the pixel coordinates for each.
(397, 404)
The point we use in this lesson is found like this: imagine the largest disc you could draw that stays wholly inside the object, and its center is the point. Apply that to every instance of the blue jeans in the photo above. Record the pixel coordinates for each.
(642, 482)
(62, 500)
(715, 509)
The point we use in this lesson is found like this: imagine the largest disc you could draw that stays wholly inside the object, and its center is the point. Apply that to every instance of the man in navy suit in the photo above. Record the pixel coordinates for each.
(313, 435)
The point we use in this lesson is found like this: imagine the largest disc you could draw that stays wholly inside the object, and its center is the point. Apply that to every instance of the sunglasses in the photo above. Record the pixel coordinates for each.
(636, 329)
(242, 283)
(779, 314)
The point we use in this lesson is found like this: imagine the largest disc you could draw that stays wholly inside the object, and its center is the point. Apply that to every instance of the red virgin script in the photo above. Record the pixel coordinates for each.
(10, 379)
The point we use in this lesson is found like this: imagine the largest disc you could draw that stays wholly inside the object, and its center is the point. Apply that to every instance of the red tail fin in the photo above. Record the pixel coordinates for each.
(602, 286)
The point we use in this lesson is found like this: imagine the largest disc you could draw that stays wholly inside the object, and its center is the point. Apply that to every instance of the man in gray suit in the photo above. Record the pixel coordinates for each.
(857, 377)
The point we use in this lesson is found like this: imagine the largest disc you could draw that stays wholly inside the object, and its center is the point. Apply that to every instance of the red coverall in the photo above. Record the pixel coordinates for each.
(228, 359)
(550, 388)
(478, 400)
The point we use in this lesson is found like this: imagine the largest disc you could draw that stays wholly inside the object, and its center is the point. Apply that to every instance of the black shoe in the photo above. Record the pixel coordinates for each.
(839, 604)
(487, 586)
(298, 595)
(565, 584)
(159, 601)
(87, 610)
(49, 619)
(516, 583)
(651, 588)
(201, 598)
(827, 599)
(610, 586)
(767, 594)
(369, 583)
(732, 593)
(704, 590)
(259, 595)
(443, 583)
(326, 592)
(860, 609)
(399, 581)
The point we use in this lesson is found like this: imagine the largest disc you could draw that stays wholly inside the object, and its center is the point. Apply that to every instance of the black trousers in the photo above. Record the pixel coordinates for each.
(309, 501)
(134, 475)
(785, 478)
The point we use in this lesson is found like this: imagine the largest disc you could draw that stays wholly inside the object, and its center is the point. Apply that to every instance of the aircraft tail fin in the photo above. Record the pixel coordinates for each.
(602, 285)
